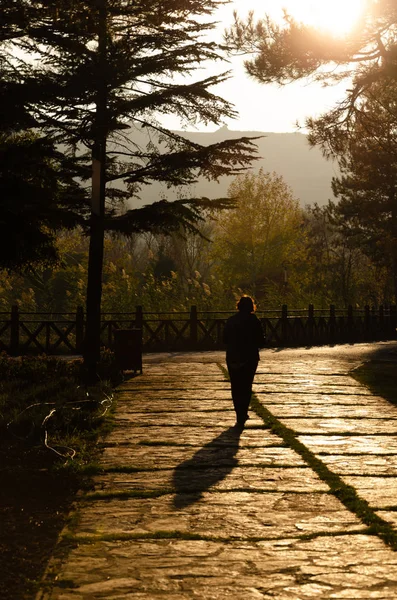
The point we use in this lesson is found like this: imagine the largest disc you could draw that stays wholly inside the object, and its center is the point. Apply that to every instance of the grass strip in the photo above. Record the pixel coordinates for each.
(125, 494)
(103, 470)
(380, 377)
(143, 494)
(343, 492)
(185, 535)
(197, 445)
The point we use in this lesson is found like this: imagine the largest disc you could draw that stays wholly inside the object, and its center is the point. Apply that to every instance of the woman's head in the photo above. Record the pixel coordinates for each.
(246, 304)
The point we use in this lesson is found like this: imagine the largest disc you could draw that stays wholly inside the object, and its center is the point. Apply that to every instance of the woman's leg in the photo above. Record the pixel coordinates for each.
(247, 377)
(237, 385)
(241, 383)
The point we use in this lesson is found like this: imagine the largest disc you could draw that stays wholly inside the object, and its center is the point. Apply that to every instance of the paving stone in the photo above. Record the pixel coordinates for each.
(170, 398)
(327, 411)
(237, 570)
(378, 491)
(310, 399)
(315, 379)
(269, 528)
(365, 464)
(194, 368)
(175, 405)
(303, 388)
(188, 476)
(356, 426)
(189, 436)
(145, 384)
(389, 515)
(170, 457)
(185, 418)
(222, 515)
(360, 444)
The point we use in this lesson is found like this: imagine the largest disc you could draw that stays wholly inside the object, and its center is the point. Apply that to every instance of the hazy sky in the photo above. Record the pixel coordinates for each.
(270, 107)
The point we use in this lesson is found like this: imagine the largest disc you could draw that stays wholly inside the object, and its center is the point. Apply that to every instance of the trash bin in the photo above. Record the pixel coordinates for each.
(128, 349)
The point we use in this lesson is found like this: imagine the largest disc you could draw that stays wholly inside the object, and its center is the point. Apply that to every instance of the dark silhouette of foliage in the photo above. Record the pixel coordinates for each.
(52, 74)
(38, 196)
(294, 51)
(360, 130)
(95, 76)
(152, 51)
(367, 186)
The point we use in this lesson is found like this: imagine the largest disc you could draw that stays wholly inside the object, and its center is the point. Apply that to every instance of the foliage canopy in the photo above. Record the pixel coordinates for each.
(360, 130)
(140, 57)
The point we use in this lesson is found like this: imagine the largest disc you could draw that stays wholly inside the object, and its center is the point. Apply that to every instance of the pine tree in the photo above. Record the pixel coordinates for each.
(93, 77)
(293, 51)
(39, 193)
(360, 130)
(367, 187)
(38, 196)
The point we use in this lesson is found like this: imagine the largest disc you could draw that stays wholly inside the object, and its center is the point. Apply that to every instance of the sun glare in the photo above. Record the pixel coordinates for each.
(337, 17)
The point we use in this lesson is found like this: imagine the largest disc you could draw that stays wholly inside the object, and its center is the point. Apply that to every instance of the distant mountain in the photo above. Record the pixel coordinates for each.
(303, 168)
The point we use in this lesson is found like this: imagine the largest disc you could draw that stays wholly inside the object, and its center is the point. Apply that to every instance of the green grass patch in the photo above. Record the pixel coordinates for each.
(46, 408)
(72, 539)
(50, 425)
(126, 494)
(380, 377)
(188, 491)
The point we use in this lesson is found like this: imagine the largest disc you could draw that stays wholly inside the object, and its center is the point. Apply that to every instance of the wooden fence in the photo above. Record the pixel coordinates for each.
(63, 333)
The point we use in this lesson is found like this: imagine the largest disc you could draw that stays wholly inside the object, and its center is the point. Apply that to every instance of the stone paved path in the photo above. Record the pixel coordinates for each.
(187, 509)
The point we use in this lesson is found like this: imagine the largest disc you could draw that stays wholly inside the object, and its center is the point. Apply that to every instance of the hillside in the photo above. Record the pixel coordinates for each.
(304, 169)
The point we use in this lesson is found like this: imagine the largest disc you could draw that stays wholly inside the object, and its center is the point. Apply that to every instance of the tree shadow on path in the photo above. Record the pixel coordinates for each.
(212, 463)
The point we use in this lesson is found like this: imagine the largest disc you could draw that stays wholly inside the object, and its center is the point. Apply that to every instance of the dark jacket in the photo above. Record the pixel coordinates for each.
(243, 336)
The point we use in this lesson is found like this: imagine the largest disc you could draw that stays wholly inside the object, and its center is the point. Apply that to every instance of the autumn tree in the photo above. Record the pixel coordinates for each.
(257, 240)
(337, 270)
(93, 78)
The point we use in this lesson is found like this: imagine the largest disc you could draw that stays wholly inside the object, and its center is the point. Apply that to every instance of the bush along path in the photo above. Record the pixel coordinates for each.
(49, 425)
(301, 504)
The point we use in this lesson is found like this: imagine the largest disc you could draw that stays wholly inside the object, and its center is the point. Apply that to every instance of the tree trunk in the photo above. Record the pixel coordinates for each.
(92, 342)
(392, 199)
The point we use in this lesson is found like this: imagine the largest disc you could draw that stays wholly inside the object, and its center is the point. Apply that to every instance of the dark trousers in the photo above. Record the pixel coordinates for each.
(241, 379)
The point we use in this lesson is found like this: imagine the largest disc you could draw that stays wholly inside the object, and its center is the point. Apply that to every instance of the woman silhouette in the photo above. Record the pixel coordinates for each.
(243, 337)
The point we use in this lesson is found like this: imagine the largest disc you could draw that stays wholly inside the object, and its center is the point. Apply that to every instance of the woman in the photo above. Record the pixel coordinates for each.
(243, 337)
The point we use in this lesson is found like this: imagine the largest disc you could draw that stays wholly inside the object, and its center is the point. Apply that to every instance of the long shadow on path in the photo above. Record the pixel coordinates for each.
(209, 465)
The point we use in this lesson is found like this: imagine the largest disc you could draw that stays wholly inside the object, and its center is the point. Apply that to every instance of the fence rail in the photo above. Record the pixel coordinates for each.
(61, 333)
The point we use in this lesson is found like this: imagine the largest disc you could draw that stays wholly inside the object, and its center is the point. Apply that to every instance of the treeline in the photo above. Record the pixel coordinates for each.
(82, 82)
(267, 246)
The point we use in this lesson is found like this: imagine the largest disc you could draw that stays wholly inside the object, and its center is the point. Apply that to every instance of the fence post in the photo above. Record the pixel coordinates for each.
(14, 330)
(284, 323)
(193, 326)
(79, 329)
(381, 328)
(139, 317)
(350, 322)
(393, 321)
(367, 322)
(332, 324)
(310, 324)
